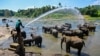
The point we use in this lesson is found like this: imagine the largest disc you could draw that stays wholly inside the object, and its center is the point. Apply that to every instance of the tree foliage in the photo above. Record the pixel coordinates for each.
(31, 12)
(34, 12)
(6, 13)
(93, 11)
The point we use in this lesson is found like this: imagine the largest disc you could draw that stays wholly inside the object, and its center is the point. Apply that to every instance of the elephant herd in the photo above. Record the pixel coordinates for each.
(72, 37)
(36, 39)
(65, 29)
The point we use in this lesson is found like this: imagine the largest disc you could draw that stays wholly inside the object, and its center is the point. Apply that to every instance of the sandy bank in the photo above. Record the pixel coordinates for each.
(4, 34)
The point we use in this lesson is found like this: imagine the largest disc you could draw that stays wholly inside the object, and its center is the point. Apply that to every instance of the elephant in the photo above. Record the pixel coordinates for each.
(14, 35)
(91, 27)
(73, 42)
(37, 39)
(59, 28)
(7, 25)
(28, 41)
(46, 29)
(84, 30)
(54, 32)
(77, 32)
(67, 33)
(67, 25)
(4, 20)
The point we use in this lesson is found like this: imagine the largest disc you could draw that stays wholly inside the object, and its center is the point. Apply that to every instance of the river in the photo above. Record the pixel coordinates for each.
(51, 45)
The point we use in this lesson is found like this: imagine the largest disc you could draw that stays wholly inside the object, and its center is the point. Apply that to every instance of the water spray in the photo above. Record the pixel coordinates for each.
(49, 12)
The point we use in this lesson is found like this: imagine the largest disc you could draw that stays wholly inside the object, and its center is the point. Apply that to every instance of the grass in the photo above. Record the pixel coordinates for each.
(87, 17)
(59, 16)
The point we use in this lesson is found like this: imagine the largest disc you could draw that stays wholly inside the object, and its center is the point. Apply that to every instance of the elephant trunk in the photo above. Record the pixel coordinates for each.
(62, 40)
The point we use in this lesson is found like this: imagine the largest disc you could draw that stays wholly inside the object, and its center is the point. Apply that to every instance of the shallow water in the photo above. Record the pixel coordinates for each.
(51, 45)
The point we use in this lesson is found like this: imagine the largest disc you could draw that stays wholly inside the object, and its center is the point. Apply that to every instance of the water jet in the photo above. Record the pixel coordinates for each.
(74, 11)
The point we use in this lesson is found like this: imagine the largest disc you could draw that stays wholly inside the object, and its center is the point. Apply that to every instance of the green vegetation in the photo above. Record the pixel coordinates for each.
(87, 17)
(6, 13)
(34, 12)
(31, 12)
(62, 14)
(93, 11)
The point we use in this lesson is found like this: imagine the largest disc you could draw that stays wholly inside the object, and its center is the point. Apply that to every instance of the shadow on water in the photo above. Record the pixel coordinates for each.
(74, 53)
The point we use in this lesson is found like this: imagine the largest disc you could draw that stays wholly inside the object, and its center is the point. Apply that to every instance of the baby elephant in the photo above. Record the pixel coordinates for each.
(37, 39)
(54, 32)
(28, 41)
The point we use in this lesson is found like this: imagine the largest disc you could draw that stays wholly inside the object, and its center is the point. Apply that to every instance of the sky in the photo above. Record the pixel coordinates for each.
(24, 4)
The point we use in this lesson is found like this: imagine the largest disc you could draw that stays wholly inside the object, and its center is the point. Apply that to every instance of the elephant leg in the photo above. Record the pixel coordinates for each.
(29, 43)
(93, 29)
(62, 40)
(40, 44)
(45, 31)
(79, 52)
(13, 39)
(67, 48)
(57, 35)
(87, 33)
(36, 43)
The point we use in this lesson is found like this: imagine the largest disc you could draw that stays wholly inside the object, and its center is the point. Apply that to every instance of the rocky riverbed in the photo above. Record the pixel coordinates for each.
(5, 35)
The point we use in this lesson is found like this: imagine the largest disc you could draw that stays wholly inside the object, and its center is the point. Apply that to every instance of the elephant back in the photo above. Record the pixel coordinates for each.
(76, 39)
(34, 36)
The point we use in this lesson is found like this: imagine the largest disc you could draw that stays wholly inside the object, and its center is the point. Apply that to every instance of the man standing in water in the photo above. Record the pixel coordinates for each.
(21, 50)
(18, 24)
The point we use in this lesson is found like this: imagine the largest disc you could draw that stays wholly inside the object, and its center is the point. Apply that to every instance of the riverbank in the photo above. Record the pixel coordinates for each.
(27, 19)
(4, 35)
(87, 17)
(4, 32)
(6, 52)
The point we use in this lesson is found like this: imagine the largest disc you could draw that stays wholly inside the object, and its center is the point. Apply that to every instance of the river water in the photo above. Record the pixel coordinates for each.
(51, 45)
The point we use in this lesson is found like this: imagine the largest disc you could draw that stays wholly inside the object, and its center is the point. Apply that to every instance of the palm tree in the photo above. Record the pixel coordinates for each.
(60, 5)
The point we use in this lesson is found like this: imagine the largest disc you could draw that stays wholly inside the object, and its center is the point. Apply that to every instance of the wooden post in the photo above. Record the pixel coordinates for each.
(21, 51)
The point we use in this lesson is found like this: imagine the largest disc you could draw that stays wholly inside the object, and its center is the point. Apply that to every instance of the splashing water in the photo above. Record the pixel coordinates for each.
(80, 18)
(78, 14)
